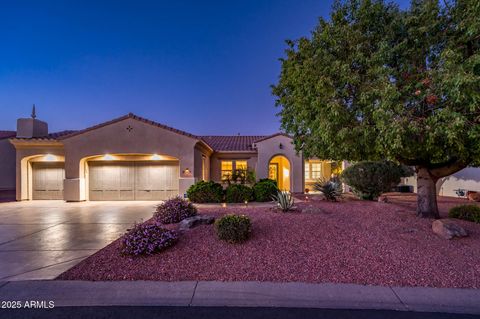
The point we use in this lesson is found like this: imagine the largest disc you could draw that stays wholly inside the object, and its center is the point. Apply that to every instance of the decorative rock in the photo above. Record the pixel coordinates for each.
(195, 221)
(448, 229)
(383, 199)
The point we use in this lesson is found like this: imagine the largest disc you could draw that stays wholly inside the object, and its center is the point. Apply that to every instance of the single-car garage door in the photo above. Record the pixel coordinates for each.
(133, 180)
(47, 180)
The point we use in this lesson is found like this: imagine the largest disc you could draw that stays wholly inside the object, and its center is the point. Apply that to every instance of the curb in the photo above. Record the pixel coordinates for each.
(243, 294)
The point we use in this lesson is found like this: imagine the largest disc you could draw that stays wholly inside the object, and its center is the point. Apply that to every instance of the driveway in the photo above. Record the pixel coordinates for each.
(41, 239)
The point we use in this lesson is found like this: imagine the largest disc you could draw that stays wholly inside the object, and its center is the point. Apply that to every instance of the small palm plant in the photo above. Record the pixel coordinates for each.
(284, 200)
(330, 189)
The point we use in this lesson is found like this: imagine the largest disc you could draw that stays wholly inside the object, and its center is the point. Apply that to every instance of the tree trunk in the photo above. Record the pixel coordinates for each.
(426, 194)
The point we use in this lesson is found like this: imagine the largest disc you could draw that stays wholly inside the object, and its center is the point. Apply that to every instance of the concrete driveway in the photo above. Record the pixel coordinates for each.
(41, 239)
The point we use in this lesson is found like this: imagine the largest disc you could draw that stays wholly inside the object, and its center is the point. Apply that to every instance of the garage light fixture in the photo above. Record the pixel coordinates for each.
(156, 157)
(107, 157)
(50, 158)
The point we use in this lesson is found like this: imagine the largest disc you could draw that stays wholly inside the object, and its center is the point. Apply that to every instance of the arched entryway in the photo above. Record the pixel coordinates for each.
(279, 170)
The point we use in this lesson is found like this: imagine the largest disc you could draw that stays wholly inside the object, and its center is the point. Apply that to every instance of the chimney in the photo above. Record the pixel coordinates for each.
(31, 127)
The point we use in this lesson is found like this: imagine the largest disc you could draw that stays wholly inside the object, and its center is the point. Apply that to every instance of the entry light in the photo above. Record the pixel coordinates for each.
(107, 157)
(186, 172)
(156, 157)
(50, 158)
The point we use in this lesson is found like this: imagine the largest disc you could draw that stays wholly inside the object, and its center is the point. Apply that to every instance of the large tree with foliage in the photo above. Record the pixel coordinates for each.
(376, 82)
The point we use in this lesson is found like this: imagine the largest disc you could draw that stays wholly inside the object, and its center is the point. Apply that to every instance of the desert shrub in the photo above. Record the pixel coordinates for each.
(233, 228)
(146, 239)
(205, 192)
(330, 189)
(370, 179)
(264, 189)
(284, 200)
(238, 193)
(465, 212)
(174, 210)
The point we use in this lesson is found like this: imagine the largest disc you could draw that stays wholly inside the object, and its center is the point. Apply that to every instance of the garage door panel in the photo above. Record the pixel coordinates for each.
(133, 181)
(47, 180)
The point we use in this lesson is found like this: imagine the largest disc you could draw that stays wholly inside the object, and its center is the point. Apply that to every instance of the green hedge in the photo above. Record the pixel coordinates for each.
(205, 192)
(237, 193)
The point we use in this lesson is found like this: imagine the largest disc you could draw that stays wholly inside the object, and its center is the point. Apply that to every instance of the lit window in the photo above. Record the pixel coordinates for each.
(307, 170)
(316, 170)
(227, 168)
(241, 165)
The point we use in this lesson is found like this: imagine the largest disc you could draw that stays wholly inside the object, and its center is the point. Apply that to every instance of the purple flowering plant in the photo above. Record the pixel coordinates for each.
(174, 210)
(147, 239)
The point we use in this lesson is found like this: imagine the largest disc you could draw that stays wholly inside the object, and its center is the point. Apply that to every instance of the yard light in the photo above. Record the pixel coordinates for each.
(246, 203)
(224, 204)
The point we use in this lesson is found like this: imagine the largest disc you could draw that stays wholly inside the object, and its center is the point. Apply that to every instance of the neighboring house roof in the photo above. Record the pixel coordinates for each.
(7, 134)
(263, 138)
(131, 116)
(232, 143)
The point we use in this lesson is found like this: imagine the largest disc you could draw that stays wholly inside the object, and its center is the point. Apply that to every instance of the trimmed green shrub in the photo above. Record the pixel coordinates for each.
(238, 193)
(233, 228)
(174, 210)
(205, 192)
(465, 212)
(264, 189)
(370, 179)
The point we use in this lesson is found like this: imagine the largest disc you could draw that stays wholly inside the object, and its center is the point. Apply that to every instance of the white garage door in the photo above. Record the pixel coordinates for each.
(47, 180)
(133, 180)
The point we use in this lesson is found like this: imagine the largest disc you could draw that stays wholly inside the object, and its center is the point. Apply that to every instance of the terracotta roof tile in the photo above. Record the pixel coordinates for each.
(232, 143)
(51, 136)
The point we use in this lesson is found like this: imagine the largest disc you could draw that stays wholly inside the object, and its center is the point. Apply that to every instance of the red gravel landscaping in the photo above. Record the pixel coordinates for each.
(347, 242)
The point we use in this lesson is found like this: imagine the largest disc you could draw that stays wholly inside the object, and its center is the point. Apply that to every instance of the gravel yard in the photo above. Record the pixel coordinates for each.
(347, 242)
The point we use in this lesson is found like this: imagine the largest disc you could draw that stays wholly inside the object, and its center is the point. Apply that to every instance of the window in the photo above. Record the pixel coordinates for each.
(316, 170)
(241, 165)
(227, 167)
(313, 170)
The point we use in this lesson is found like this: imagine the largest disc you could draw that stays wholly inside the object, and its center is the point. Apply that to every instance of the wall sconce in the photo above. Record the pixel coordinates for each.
(280, 146)
(187, 172)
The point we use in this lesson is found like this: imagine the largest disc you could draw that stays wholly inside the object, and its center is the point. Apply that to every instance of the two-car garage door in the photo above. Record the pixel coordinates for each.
(133, 180)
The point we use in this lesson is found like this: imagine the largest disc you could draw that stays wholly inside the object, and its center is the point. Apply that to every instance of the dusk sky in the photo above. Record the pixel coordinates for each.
(201, 66)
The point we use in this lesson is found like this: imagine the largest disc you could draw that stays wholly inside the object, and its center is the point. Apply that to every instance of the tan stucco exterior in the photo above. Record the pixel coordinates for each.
(131, 139)
(281, 145)
(7, 167)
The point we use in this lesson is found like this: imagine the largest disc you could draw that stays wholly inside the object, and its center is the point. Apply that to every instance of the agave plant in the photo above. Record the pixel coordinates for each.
(284, 200)
(330, 189)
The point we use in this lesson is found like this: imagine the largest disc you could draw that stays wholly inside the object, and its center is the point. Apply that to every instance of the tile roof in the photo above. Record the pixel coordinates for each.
(7, 134)
(263, 138)
(132, 116)
(232, 143)
(51, 136)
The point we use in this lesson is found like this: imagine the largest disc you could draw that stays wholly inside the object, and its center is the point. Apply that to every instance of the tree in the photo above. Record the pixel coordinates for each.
(375, 82)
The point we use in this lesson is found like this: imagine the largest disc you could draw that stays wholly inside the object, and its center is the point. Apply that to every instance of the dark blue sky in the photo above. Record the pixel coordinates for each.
(202, 66)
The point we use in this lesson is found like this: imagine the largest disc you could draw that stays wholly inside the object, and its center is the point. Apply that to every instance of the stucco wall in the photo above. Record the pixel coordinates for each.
(217, 158)
(139, 138)
(7, 167)
(270, 148)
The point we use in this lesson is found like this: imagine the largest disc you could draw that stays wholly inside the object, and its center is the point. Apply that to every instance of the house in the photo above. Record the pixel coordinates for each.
(133, 158)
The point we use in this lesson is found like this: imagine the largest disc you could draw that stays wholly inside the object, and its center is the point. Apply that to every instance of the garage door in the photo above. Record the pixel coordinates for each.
(133, 180)
(47, 180)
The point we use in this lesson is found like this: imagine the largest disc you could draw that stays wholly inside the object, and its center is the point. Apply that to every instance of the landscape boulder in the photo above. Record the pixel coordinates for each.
(448, 229)
(195, 221)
